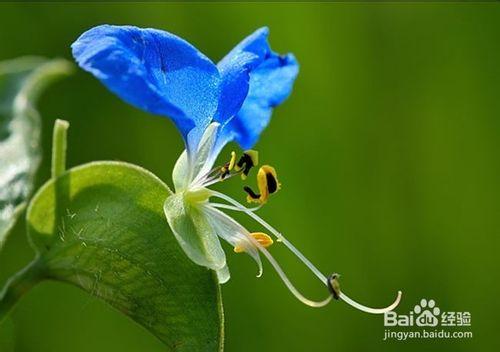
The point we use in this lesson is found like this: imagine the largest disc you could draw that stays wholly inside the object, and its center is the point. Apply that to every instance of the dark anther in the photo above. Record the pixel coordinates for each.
(248, 160)
(245, 163)
(224, 171)
(272, 184)
(243, 160)
(251, 193)
(333, 285)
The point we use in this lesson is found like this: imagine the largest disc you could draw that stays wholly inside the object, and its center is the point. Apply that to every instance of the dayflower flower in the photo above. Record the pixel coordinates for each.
(211, 105)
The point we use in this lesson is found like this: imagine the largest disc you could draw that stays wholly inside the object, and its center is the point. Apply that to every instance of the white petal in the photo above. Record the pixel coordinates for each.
(194, 233)
(223, 275)
(190, 169)
(232, 232)
(204, 159)
(180, 174)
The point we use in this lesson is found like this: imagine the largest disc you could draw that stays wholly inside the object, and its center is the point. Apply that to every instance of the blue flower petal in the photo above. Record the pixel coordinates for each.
(270, 84)
(254, 81)
(235, 70)
(153, 70)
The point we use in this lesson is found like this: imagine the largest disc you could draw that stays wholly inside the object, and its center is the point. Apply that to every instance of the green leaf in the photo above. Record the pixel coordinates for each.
(21, 82)
(101, 227)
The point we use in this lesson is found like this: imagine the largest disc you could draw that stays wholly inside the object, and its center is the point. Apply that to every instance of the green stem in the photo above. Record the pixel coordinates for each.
(59, 148)
(18, 285)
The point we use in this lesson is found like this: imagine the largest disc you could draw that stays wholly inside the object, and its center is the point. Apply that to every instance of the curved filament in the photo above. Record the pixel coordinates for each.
(240, 229)
(294, 250)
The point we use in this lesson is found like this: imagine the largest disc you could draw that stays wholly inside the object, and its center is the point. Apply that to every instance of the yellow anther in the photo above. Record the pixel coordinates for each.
(263, 239)
(254, 156)
(232, 161)
(228, 167)
(267, 182)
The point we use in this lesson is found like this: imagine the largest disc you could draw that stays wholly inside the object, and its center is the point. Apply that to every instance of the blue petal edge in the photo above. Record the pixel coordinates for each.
(254, 81)
(153, 70)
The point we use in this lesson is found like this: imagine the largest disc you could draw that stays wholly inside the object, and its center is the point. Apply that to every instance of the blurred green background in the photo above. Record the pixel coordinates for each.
(388, 152)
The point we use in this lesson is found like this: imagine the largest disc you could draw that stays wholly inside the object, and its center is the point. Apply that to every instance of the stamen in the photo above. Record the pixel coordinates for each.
(216, 174)
(209, 175)
(295, 292)
(222, 216)
(228, 167)
(216, 179)
(267, 181)
(252, 196)
(249, 159)
(221, 173)
(306, 261)
(232, 233)
(230, 207)
(264, 240)
(232, 161)
(333, 285)
(366, 309)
